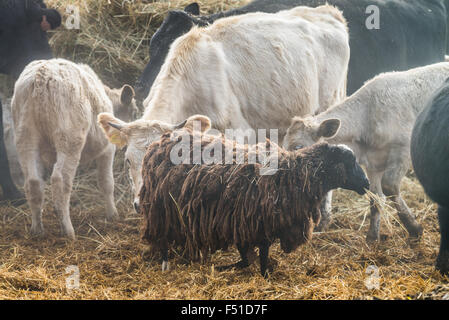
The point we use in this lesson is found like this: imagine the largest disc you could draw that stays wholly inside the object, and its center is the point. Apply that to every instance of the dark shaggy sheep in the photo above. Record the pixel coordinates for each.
(210, 207)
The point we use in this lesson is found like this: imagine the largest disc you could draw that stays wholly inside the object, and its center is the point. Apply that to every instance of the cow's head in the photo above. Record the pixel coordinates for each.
(305, 132)
(137, 136)
(175, 25)
(123, 102)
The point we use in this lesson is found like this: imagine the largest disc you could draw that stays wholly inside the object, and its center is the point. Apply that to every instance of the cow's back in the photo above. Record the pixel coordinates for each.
(254, 71)
(284, 65)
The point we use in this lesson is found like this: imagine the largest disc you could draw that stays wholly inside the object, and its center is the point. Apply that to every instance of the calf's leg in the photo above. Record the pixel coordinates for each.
(105, 179)
(62, 177)
(375, 179)
(34, 187)
(10, 191)
(325, 208)
(391, 182)
(442, 263)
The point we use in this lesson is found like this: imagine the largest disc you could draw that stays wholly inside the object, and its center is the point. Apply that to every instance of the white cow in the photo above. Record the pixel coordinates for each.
(55, 107)
(256, 70)
(376, 122)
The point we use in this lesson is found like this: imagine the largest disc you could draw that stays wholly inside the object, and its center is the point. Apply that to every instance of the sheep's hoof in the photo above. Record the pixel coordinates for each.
(239, 265)
(323, 225)
(165, 266)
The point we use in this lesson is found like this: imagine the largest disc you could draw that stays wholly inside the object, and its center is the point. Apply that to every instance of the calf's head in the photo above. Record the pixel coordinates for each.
(123, 102)
(137, 136)
(306, 132)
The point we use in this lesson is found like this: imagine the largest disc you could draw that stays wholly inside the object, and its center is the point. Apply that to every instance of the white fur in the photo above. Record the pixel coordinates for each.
(55, 107)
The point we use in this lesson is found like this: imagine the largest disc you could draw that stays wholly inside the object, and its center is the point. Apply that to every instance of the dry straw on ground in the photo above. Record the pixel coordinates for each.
(115, 264)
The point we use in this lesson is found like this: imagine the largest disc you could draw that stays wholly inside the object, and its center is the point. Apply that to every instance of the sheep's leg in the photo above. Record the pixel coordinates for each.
(443, 257)
(376, 188)
(263, 256)
(245, 261)
(325, 208)
(105, 180)
(391, 182)
(164, 254)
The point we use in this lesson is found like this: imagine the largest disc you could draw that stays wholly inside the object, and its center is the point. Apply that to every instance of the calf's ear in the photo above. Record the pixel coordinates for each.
(329, 128)
(193, 8)
(198, 122)
(113, 129)
(127, 95)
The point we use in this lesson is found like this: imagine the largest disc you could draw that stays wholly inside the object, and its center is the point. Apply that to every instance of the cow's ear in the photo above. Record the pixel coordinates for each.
(113, 129)
(193, 9)
(198, 122)
(127, 95)
(329, 128)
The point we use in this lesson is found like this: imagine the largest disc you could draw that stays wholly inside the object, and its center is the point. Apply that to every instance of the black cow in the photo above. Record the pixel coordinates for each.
(412, 33)
(430, 158)
(23, 38)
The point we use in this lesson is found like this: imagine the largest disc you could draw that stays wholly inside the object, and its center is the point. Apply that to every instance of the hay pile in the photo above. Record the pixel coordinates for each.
(115, 264)
(114, 34)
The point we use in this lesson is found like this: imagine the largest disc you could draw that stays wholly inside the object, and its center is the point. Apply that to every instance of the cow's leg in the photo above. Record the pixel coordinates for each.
(443, 257)
(34, 187)
(391, 182)
(62, 177)
(10, 191)
(105, 179)
(325, 208)
(375, 179)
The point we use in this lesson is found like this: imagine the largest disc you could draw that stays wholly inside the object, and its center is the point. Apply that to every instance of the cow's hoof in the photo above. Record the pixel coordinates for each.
(14, 198)
(112, 216)
(416, 233)
(37, 231)
(442, 264)
(372, 237)
(68, 232)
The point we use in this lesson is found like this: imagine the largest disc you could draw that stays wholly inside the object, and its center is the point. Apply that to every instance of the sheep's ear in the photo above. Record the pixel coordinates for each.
(127, 95)
(113, 129)
(329, 128)
(196, 122)
(193, 8)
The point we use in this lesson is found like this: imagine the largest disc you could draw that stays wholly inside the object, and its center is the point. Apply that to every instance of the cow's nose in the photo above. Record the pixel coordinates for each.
(136, 206)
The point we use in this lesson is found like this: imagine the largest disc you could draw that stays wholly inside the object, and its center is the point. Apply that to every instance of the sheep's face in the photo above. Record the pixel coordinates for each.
(349, 175)
(137, 136)
(306, 132)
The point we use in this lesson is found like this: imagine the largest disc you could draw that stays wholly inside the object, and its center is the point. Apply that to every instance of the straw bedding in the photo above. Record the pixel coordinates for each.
(113, 261)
